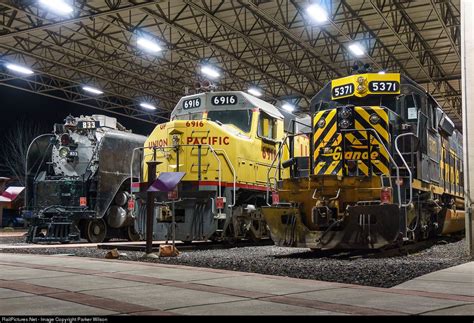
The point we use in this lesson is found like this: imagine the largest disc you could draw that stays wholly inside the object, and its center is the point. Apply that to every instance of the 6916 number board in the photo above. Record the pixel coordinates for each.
(224, 100)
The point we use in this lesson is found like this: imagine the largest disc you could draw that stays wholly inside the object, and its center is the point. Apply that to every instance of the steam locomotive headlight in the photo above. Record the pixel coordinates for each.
(344, 124)
(63, 152)
(322, 123)
(374, 118)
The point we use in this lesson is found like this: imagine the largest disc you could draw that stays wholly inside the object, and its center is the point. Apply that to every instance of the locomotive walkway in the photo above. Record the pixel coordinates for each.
(65, 285)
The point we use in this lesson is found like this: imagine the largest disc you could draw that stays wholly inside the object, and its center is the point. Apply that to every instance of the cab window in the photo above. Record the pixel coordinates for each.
(241, 119)
(189, 116)
(412, 105)
(267, 127)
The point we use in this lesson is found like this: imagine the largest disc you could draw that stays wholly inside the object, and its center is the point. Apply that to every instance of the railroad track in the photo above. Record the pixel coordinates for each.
(387, 252)
(207, 245)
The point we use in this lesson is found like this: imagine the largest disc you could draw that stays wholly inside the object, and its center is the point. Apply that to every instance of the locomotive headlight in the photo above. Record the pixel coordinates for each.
(63, 152)
(361, 88)
(344, 124)
(361, 80)
(374, 118)
(322, 123)
(345, 113)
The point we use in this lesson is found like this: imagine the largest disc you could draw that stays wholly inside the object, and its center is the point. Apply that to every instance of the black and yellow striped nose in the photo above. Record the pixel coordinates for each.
(351, 141)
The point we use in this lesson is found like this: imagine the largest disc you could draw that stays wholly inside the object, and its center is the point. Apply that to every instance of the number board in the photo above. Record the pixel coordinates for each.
(88, 124)
(73, 153)
(224, 100)
(384, 86)
(192, 103)
(343, 90)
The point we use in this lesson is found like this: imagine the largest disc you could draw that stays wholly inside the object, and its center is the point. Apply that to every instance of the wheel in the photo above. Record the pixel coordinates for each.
(96, 230)
(132, 235)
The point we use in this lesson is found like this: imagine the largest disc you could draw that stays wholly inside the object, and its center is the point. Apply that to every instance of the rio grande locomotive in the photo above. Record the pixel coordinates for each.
(226, 143)
(81, 188)
(385, 167)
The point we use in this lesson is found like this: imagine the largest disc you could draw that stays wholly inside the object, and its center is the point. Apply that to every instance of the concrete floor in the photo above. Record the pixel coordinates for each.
(52, 285)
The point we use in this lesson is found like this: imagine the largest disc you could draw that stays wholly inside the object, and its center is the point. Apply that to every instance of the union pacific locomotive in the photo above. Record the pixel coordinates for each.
(82, 184)
(385, 167)
(226, 143)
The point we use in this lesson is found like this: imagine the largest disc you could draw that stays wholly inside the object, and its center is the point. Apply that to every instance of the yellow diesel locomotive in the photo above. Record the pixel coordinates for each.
(385, 167)
(226, 143)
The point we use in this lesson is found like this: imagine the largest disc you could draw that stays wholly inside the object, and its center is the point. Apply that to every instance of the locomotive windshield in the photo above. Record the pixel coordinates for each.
(242, 119)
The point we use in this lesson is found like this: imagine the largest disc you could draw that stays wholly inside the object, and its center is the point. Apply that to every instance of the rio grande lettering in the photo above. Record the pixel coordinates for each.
(336, 154)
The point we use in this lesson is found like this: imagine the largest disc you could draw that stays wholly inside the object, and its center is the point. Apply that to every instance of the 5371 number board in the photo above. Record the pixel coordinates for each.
(342, 90)
(224, 100)
(384, 86)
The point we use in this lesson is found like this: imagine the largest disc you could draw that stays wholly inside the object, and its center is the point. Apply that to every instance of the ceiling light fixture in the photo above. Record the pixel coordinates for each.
(288, 107)
(317, 13)
(19, 69)
(209, 71)
(92, 90)
(58, 6)
(148, 106)
(356, 49)
(148, 45)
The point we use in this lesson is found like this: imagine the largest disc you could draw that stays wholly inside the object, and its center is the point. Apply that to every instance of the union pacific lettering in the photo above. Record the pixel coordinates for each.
(158, 143)
(207, 140)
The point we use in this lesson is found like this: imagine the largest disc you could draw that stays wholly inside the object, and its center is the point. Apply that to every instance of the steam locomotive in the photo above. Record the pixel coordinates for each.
(81, 187)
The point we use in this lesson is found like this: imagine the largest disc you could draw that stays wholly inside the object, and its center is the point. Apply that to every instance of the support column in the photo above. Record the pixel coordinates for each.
(467, 72)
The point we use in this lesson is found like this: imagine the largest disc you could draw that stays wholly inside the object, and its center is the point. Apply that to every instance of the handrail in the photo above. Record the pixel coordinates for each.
(131, 166)
(405, 163)
(277, 156)
(162, 148)
(390, 157)
(233, 173)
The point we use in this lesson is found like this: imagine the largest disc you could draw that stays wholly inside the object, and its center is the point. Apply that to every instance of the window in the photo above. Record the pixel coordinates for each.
(241, 119)
(433, 117)
(412, 104)
(267, 126)
(189, 116)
